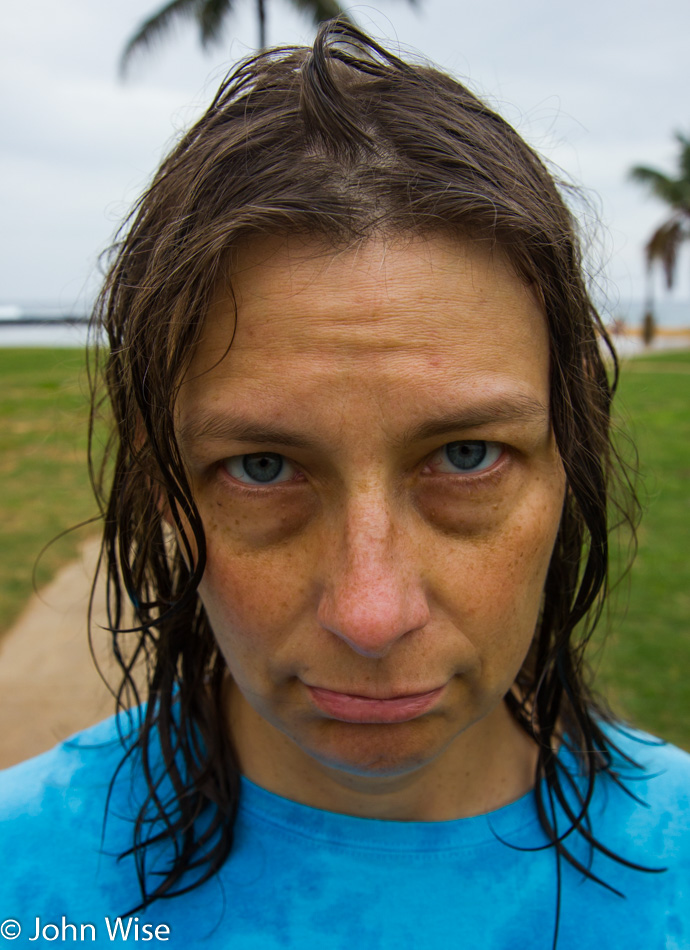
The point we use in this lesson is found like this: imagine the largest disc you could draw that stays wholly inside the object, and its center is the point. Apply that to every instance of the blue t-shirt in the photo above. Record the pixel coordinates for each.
(302, 877)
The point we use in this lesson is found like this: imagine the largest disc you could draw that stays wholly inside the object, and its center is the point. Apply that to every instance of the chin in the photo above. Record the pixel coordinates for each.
(375, 750)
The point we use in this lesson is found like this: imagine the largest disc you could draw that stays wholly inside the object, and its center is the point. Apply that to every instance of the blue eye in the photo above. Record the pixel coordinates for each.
(259, 468)
(467, 456)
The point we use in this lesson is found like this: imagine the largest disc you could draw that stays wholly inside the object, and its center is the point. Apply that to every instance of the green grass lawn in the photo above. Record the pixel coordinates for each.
(45, 485)
(644, 668)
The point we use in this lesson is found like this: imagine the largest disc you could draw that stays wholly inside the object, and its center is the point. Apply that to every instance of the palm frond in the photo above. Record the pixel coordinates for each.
(663, 246)
(673, 191)
(684, 158)
(320, 10)
(210, 16)
(155, 27)
(670, 190)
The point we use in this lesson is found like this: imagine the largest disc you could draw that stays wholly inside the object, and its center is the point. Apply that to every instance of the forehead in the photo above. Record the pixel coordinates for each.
(395, 320)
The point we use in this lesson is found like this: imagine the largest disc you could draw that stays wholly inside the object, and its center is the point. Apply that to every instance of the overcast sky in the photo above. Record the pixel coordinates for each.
(596, 86)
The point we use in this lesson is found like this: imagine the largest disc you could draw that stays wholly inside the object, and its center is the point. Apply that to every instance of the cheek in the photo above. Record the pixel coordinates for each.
(253, 602)
(257, 574)
(499, 589)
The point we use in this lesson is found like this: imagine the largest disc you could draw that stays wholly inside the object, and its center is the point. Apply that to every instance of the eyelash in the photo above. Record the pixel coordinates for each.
(470, 478)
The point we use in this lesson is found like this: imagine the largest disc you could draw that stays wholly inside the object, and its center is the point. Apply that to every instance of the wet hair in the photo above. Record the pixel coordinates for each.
(344, 142)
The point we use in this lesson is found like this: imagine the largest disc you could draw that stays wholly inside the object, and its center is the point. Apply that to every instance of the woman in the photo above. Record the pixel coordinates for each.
(358, 498)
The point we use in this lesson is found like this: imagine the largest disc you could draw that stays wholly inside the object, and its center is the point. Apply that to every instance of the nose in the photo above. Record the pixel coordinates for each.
(372, 595)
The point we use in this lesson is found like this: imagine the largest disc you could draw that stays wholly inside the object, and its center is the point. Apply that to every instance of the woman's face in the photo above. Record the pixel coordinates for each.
(380, 488)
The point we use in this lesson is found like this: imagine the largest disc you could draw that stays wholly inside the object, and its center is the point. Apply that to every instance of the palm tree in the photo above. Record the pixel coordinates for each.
(664, 244)
(209, 15)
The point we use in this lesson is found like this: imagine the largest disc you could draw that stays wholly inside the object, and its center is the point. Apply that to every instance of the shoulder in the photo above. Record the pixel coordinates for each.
(83, 763)
(650, 765)
(53, 821)
(643, 803)
(60, 798)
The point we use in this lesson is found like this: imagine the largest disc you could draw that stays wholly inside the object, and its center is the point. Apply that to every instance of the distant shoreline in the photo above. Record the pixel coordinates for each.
(41, 332)
(73, 332)
(43, 321)
(658, 331)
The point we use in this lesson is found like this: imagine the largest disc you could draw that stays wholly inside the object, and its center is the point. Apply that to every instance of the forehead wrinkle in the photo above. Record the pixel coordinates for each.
(438, 348)
(363, 320)
(373, 295)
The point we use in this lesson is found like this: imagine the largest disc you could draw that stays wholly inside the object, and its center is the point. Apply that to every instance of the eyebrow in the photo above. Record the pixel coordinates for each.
(218, 427)
(214, 427)
(513, 408)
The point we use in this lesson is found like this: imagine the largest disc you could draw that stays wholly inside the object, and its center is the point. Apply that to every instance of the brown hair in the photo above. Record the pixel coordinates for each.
(342, 141)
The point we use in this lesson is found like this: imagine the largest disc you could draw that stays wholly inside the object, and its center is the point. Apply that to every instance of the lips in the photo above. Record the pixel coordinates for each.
(349, 707)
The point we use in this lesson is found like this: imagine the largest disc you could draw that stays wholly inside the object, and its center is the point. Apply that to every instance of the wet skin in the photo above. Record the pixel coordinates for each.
(381, 491)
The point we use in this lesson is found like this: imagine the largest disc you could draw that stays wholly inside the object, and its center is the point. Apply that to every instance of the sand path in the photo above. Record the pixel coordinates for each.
(49, 687)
